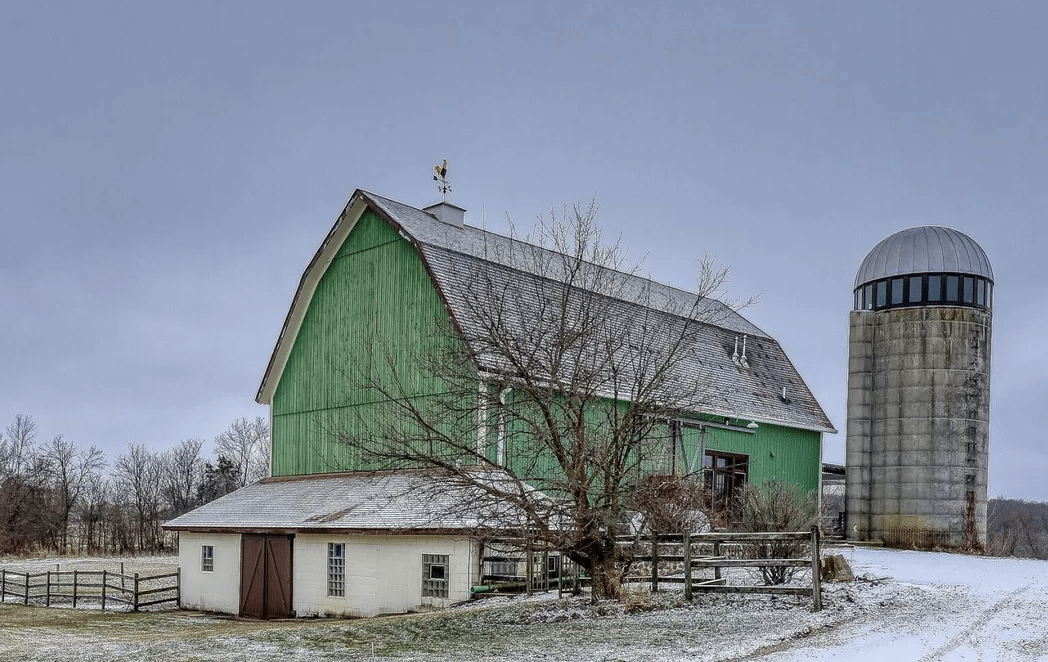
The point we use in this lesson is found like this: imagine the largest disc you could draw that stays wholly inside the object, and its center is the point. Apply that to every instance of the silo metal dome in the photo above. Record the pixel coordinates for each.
(924, 249)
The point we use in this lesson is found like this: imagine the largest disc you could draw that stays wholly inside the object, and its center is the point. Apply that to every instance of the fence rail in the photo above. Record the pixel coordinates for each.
(108, 588)
(692, 560)
(512, 565)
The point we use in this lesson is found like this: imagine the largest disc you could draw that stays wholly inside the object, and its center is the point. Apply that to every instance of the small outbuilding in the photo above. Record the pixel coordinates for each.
(349, 544)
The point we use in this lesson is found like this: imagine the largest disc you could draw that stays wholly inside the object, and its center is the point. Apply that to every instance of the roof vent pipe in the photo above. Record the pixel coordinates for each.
(735, 354)
(742, 359)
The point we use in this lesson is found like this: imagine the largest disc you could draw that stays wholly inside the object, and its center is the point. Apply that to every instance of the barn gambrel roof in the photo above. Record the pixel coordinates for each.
(451, 253)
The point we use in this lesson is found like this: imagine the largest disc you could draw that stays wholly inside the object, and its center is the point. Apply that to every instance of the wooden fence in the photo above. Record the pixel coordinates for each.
(692, 559)
(112, 589)
(518, 566)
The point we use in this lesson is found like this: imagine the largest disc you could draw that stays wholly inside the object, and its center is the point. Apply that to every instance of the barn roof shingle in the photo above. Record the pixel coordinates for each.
(450, 252)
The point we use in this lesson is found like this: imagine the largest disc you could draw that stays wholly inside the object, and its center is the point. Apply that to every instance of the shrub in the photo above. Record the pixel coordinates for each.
(779, 507)
(669, 504)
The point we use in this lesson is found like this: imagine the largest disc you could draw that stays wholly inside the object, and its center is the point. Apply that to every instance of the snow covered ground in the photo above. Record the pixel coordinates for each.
(937, 607)
(907, 606)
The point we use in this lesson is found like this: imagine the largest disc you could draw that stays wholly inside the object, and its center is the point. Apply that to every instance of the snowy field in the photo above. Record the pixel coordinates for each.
(910, 606)
(145, 565)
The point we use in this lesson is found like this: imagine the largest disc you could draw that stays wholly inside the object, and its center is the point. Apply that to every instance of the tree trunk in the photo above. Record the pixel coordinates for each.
(604, 574)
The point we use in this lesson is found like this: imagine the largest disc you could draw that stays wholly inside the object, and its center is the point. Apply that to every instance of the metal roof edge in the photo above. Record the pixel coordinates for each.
(307, 285)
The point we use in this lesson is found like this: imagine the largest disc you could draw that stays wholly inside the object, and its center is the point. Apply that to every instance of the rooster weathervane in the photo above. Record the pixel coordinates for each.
(440, 174)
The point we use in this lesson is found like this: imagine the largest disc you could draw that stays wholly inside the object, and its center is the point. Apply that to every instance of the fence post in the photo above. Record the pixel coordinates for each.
(136, 591)
(178, 587)
(103, 590)
(47, 598)
(816, 577)
(3, 584)
(75, 578)
(654, 564)
(560, 577)
(716, 552)
(687, 566)
(27, 586)
(545, 570)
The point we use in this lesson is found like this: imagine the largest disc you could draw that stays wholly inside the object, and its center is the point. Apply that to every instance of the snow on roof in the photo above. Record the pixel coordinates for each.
(453, 254)
(370, 502)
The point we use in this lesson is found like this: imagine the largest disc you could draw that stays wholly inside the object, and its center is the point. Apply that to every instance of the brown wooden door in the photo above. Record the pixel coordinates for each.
(278, 577)
(265, 576)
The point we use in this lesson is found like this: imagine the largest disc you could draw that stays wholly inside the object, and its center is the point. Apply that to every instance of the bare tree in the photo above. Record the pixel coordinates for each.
(1017, 528)
(69, 469)
(17, 446)
(558, 372)
(23, 488)
(246, 444)
(183, 471)
(94, 500)
(138, 477)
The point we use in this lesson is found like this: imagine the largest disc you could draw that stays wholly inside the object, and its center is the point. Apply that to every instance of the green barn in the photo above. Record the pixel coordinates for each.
(391, 284)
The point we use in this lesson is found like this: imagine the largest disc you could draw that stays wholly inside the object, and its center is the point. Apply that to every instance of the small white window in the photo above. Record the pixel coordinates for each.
(336, 574)
(207, 558)
(434, 576)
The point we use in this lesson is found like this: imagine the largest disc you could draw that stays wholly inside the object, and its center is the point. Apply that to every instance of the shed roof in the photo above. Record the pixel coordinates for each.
(363, 502)
(452, 253)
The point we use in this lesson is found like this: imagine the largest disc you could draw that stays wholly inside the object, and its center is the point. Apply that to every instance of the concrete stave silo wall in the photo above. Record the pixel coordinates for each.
(918, 426)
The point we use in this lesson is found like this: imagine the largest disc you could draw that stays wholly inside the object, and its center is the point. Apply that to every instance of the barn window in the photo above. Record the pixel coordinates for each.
(434, 576)
(207, 558)
(336, 574)
(724, 474)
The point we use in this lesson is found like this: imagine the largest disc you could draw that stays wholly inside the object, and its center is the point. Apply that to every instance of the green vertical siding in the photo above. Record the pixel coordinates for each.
(374, 297)
(776, 453)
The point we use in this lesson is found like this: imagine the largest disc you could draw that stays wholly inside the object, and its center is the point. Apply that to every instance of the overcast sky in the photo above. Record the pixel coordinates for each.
(168, 169)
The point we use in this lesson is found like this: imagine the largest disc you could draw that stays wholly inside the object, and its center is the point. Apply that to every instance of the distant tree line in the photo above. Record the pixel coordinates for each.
(1017, 528)
(56, 496)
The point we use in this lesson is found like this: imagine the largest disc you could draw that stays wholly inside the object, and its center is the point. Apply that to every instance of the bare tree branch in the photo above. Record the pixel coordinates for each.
(558, 374)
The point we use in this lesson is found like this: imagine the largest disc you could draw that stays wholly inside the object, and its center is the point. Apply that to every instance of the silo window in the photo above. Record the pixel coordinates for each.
(934, 288)
(952, 285)
(882, 294)
(897, 291)
(915, 289)
(980, 293)
(868, 297)
(858, 299)
(969, 289)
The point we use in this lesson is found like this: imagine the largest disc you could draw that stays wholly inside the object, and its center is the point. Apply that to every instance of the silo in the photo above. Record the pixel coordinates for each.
(919, 391)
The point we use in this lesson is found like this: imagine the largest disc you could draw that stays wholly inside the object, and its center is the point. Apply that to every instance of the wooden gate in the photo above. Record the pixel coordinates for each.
(265, 576)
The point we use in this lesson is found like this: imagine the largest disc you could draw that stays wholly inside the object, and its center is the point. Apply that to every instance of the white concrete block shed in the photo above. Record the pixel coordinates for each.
(351, 544)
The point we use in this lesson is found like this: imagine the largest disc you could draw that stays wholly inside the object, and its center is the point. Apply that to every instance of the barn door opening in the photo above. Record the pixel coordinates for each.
(265, 576)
